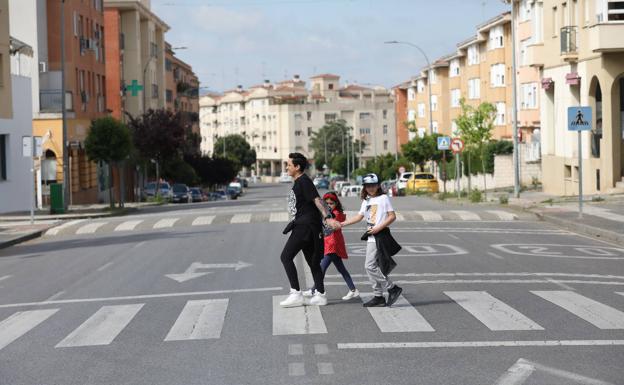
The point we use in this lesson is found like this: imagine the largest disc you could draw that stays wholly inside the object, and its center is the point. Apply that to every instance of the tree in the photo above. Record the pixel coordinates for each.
(385, 166)
(475, 128)
(108, 141)
(420, 150)
(158, 135)
(335, 137)
(213, 171)
(237, 149)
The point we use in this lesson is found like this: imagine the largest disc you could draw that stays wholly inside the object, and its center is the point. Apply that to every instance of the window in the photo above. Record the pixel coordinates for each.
(309, 115)
(421, 132)
(500, 114)
(411, 94)
(329, 118)
(433, 76)
(331, 86)
(496, 37)
(473, 54)
(411, 135)
(421, 110)
(497, 75)
(434, 126)
(385, 114)
(420, 86)
(454, 68)
(298, 133)
(455, 96)
(411, 115)
(528, 96)
(454, 128)
(525, 11)
(154, 91)
(168, 66)
(474, 88)
(385, 129)
(364, 131)
(3, 157)
(365, 115)
(309, 131)
(434, 102)
(169, 96)
(385, 144)
(524, 44)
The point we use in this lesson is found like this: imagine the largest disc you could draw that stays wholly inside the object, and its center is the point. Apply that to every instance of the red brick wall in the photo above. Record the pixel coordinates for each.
(112, 21)
(400, 97)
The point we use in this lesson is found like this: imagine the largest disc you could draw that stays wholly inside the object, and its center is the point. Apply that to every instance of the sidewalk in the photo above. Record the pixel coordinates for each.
(603, 216)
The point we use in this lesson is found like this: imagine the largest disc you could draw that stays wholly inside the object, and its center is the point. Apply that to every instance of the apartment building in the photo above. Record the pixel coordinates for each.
(277, 119)
(16, 57)
(85, 97)
(400, 113)
(135, 48)
(580, 51)
(181, 89)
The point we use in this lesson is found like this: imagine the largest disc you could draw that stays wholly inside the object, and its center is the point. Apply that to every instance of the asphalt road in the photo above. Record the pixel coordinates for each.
(187, 294)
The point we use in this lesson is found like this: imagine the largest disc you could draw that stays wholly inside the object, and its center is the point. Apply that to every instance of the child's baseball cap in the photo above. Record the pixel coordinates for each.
(370, 179)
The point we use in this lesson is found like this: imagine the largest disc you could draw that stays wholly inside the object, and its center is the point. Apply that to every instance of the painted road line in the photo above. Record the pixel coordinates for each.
(519, 372)
(429, 216)
(241, 218)
(278, 217)
(128, 225)
(203, 221)
(166, 222)
(594, 312)
(492, 312)
(58, 229)
(199, 320)
(466, 215)
(503, 215)
(325, 368)
(351, 214)
(321, 349)
(400, 318)
(105, 266)
(295, 349)
(141, 297)
(102, 327)
(5, 277)
(21, 323)
(478, 344)
(489, 274)
(296, 320)
(399, 217)
(296, 369)
(90, 228)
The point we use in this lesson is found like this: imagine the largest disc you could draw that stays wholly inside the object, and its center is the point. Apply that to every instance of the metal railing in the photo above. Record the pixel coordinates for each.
(568, 40)
(51, 101)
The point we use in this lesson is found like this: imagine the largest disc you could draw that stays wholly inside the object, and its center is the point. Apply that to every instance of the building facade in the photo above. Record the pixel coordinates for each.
(277, 119)
(581, 55)
(181, 89)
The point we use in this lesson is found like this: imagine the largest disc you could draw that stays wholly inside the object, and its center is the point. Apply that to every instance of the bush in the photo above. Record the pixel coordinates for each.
(475, 196)
(503, 199)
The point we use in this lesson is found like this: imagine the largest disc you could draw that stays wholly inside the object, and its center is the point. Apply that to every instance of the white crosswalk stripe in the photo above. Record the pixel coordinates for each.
(201, 319)
(128, 225)
(58, 229)
(296, 320)
(594, 312)
(203, 221)
(102, 327)
(492, 312)
(90, 228)
(503, 215)
(399, 217)
(241, 218)
(165, 223)
(466, 215)
(429, 215)
(21, 323)
(278, 217)
(401, 317)
(351, 214)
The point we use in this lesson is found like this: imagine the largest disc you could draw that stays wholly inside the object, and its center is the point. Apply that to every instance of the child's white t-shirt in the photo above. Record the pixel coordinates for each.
(375, 210)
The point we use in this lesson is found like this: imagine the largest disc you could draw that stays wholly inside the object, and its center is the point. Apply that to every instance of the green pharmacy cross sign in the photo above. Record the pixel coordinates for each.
(135, 87)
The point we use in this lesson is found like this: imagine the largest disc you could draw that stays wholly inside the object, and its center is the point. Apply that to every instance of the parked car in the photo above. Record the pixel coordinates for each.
(164, 191)
(386, 186)
(220, 195)
(235, 187)
(340, 184)
(351, 191)
(196, 194)
(321, 183)
(285, 178)
(423, 181)
(244, 182)
(181, 193)
(402, 182)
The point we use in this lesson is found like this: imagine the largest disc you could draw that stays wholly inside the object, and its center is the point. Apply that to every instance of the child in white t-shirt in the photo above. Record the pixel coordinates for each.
(379, 214)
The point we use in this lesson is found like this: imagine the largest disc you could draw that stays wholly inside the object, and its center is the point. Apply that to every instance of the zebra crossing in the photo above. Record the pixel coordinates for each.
(205, 319)
(86, 227)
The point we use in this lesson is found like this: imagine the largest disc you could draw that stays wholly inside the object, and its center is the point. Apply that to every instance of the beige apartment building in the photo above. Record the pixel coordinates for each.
(582, 58)
(280, 118)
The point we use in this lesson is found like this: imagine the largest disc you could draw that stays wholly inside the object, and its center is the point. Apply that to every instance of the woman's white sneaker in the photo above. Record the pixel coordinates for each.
(293, 300)
(351, 294)
(318, 299)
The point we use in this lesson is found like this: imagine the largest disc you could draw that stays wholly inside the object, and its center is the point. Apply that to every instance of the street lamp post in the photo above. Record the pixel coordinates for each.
(65, 139)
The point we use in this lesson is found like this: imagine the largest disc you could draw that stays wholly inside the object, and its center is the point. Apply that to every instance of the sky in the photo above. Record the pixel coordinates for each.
(243, 42)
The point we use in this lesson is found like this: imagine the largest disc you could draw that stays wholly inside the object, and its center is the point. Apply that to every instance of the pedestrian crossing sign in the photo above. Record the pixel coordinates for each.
(444, 142)
(579, 118)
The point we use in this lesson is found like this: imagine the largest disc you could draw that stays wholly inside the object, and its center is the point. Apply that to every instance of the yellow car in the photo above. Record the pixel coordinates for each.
(422, 181)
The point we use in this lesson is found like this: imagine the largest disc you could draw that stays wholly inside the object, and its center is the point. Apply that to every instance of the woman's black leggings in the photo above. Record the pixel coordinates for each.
(309, 240)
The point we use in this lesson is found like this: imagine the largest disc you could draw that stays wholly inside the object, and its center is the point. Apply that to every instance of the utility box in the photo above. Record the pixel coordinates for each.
(56, 198)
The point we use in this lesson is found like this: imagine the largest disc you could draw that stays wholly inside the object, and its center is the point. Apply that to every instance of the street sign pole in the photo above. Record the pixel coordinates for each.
(580, 165)
(580, 119)
(444, 170)
(457, 172)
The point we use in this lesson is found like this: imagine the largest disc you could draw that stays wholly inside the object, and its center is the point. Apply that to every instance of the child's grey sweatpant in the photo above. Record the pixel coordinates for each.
(380, 282)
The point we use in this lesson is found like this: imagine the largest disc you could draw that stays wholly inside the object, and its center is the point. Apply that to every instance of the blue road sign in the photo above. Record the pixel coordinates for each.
(579, 118)
(444, 142)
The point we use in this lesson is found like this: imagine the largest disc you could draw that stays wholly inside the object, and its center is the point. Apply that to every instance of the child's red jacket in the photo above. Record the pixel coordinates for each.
(334, 242)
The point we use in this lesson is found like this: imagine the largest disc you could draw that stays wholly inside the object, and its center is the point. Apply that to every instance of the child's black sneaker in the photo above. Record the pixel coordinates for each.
(376, 302)
(393, 295)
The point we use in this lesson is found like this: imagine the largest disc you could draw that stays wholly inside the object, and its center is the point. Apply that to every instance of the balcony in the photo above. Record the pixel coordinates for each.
(569, 50)
(51, 101)
(535, 55)
(606, 37)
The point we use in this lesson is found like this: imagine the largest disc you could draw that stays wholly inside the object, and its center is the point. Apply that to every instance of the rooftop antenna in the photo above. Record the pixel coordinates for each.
(263, 70)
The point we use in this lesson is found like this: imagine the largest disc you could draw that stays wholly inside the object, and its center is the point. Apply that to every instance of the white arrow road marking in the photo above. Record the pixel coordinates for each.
(20, 323)
(241, 218)
(166, 222)
(522, 370)
(401, 317)
(296, 320)
(429, 216)
(199, 320)
(58, 229)
(278, 217)
(504, 215)
(102, 327)
(202, 221)
(466, 215)
(492, 312)
(594, 312)
(191, 271)
(128, 225)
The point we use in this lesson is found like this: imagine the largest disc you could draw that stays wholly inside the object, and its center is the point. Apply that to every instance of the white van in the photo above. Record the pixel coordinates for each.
(351, 191)
(340, 184)
(401, 184)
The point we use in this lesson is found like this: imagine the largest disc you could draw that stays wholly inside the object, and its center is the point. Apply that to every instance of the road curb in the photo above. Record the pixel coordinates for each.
(592, 231)
(22, 238)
